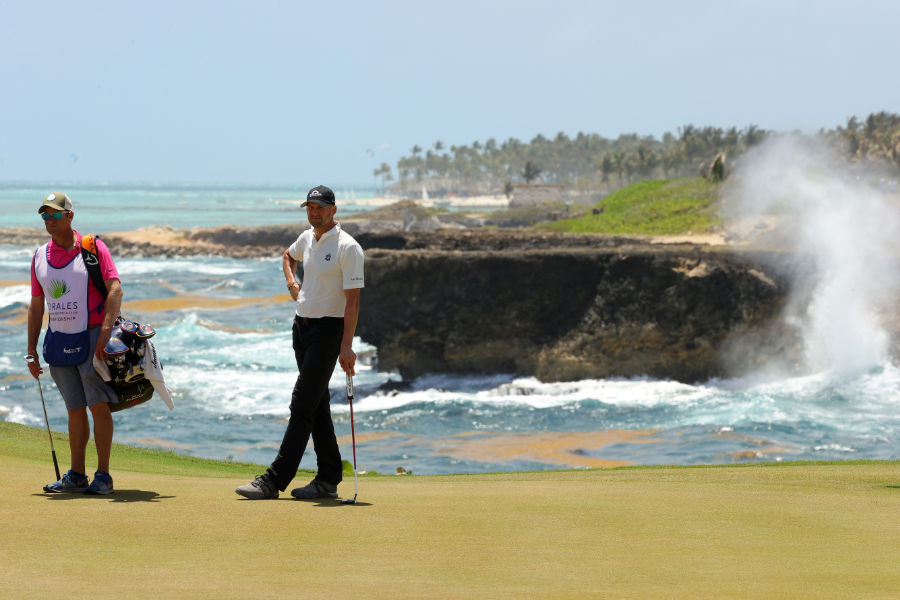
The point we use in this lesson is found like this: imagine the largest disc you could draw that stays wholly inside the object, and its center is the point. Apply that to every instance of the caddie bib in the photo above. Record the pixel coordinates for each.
(67, 341)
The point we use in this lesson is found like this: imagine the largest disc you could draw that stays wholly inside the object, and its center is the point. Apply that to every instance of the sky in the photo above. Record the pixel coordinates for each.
(282, 92)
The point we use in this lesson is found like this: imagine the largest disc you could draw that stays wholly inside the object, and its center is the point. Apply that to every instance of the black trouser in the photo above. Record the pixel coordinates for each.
(317, 344)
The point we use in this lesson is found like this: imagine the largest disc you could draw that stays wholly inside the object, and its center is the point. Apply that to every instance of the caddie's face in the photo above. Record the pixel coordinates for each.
(54, 225)
(319, 216)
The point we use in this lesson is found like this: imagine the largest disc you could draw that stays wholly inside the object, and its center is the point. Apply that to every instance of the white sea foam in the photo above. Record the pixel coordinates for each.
(15, 262)
(196, 266)
(234, 391)
(12, 295)
(250, 391)
(848, 401)
(242, 373)
(504, 390)
(224, 286)
(209, 346)
(17, 414)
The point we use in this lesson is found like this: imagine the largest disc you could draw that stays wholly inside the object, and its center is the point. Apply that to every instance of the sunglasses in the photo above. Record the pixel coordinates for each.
(56, 215)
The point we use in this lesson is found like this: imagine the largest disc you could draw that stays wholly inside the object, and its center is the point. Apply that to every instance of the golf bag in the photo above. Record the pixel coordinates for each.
(127, 350)
(127, 353)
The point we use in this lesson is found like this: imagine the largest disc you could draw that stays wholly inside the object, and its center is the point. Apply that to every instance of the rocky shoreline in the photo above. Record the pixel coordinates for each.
(556, 306)
(236, 241)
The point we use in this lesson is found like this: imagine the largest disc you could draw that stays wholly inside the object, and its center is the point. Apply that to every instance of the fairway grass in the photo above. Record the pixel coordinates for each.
(176, 529)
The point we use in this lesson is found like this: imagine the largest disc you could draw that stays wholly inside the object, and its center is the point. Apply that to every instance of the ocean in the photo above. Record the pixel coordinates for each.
(224, 339)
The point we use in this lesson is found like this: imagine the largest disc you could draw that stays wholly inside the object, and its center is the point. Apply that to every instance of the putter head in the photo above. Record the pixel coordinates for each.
(349, 500)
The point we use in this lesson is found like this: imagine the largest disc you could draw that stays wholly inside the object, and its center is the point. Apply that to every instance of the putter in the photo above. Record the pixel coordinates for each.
(353, 436)
(30, 359)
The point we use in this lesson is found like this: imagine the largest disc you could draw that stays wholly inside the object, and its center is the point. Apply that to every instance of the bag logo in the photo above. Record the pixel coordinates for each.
(91, 260)
(58, 288)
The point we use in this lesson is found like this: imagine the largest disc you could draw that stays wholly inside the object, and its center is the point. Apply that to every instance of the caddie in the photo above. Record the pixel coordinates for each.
(79, 324)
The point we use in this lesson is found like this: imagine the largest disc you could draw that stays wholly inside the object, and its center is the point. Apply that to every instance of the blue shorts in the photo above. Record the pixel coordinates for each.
(80, 385)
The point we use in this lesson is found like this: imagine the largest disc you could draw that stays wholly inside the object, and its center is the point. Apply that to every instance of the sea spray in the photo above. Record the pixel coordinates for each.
(839, 232)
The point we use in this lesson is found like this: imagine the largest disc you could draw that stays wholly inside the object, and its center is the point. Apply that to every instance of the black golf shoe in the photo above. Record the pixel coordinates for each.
(315, 489)
(261, 488)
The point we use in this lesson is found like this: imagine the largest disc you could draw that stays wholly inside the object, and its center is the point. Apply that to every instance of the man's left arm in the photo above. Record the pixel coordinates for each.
(112, 308)
(347, 357)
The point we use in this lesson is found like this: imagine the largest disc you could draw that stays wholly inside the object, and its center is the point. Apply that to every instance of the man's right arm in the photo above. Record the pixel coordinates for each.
(289, 265)
(35, 320)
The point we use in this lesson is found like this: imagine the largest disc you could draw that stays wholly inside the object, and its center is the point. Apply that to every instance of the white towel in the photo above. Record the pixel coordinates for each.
(153, 371)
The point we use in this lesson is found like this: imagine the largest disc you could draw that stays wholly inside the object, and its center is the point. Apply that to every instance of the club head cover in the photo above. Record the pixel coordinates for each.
(145, 332)
(115, 347)
(129, 326)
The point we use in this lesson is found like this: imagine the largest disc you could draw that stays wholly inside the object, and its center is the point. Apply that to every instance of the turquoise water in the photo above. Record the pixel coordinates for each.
(231, 370)
(116, 207)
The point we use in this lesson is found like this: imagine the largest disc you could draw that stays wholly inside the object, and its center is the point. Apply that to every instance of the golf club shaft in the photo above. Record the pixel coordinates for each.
(47, 421)
(352, 434)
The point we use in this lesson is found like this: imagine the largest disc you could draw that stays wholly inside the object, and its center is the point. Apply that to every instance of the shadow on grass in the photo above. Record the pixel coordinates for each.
(117, 496)
(318, 502)
(329, 502)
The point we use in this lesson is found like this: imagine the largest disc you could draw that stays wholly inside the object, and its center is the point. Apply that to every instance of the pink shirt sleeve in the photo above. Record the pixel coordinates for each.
(36, 290)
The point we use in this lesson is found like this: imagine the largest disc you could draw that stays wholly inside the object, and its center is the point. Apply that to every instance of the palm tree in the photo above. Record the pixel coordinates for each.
(531, 172)
(671, 158)
(384, 171)
(646, 162)
(619, 163)
(607, 166)
(753, 135)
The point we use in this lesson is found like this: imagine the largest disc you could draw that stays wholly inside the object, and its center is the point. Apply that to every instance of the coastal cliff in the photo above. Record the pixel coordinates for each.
(570, 307)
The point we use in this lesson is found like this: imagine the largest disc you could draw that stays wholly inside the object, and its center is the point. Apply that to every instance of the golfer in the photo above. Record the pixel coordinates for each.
(79, 325)
(327, 312)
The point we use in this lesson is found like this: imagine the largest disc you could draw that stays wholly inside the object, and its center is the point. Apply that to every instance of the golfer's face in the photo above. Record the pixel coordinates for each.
(319, 215)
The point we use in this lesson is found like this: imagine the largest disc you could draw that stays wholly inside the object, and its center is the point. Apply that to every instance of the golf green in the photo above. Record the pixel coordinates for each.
(175, 528)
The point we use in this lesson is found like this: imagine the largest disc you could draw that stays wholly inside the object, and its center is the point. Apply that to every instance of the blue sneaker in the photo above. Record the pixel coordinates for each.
(102, 484)
(70, 482)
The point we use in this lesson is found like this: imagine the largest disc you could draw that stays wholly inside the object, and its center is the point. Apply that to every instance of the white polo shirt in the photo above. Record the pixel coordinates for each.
(331, 265)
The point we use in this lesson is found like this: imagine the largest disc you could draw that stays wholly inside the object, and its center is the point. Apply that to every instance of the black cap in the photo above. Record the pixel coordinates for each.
(321, 195)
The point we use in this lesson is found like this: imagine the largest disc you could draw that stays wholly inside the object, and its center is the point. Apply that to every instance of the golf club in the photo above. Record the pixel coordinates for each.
(353, 436)
(30, 359)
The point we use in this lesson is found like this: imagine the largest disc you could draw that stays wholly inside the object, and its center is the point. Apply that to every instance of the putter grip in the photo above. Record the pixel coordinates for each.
(349, 386)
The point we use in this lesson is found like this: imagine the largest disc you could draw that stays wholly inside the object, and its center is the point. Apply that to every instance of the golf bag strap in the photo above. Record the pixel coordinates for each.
(92, 262)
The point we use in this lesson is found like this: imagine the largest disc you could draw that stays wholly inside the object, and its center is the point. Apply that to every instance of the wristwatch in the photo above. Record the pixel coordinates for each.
(30, 358)
(292, 284)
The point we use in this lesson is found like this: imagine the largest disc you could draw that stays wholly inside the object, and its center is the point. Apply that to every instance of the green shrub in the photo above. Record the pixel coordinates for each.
(659, 207)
